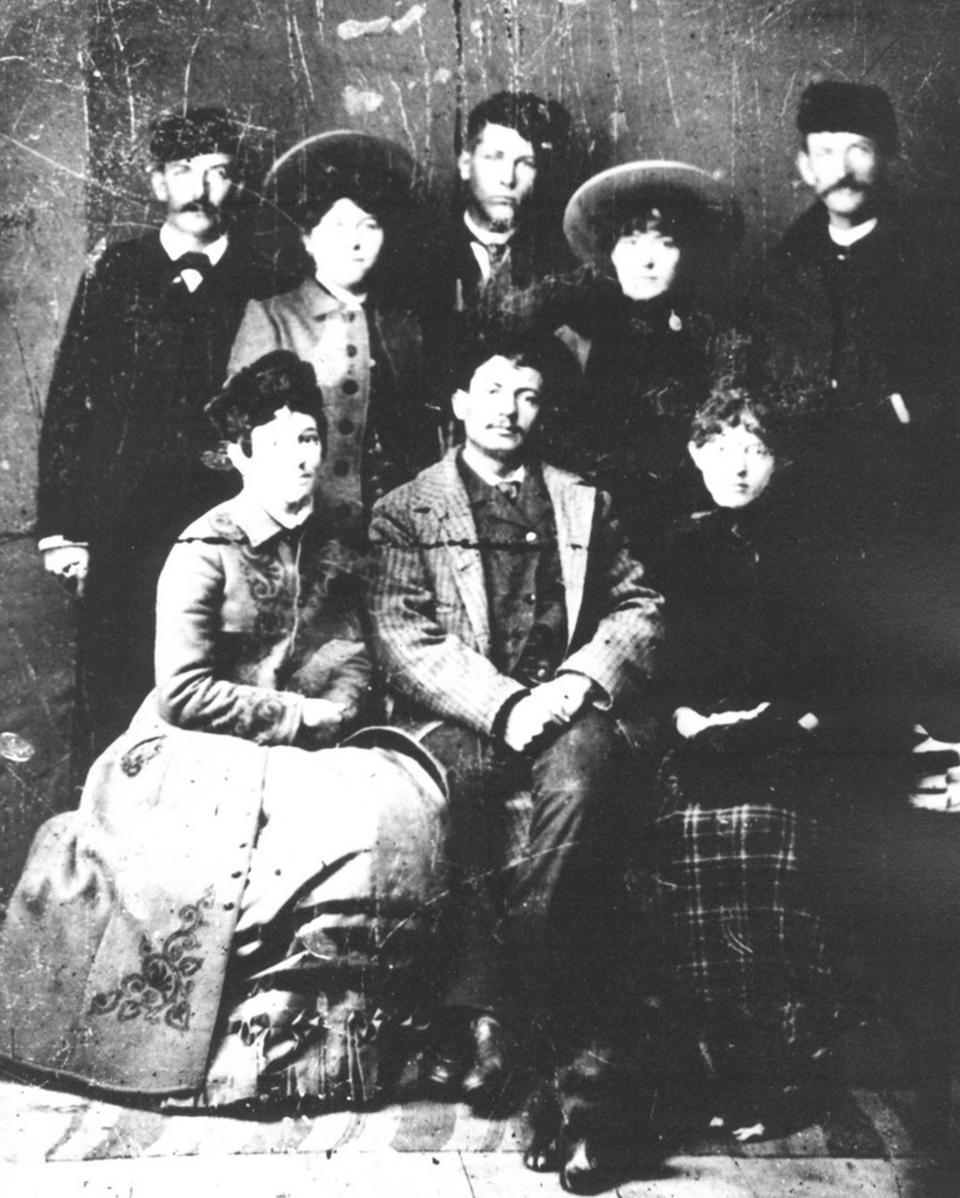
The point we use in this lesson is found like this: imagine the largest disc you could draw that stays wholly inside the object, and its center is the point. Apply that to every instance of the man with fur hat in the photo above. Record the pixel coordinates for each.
(856, 307)
(122, 446)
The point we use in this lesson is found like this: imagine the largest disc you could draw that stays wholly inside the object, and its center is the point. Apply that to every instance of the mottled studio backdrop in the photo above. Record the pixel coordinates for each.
(714, 82)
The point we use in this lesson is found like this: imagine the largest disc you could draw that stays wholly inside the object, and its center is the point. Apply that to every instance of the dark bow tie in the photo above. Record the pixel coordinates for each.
(192, 261)
(510, 489)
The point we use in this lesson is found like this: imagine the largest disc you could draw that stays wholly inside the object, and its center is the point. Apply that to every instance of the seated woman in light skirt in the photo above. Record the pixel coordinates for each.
(237, 909)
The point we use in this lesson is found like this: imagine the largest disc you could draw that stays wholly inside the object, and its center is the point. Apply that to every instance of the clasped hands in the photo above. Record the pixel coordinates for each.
(321, 722)
(553, 704)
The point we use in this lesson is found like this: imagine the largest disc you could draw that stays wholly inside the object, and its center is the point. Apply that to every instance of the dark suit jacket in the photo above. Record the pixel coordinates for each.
(429, 602)
(888, 326)
(123, 430)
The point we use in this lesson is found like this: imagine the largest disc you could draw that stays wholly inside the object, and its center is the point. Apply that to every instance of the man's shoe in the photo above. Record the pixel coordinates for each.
(485, 1082)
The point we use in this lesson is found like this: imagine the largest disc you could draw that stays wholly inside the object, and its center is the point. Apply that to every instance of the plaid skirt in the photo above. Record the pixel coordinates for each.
(747, 957)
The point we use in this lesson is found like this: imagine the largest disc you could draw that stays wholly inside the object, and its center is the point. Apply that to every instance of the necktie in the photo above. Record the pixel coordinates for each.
(497, 253)
(510, 489)
(192, 261)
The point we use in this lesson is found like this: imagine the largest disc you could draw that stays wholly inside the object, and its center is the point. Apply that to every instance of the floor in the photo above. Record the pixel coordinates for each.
(876, 1143)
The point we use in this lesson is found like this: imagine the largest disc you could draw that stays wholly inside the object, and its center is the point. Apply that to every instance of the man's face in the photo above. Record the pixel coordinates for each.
(285, 455)
(844, 170)
(500, 173)
(736, 466)
(500, 408)
(646, 264)
(345, 244)
(195, 191)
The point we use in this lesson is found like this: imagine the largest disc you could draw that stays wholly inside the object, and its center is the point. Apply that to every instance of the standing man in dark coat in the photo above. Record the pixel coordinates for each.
(124, 446)
(505, 253)
(857, 307)
(503, 258)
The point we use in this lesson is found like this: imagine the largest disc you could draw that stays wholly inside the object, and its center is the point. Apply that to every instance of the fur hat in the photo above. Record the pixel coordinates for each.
(175, 136)
(829, 106)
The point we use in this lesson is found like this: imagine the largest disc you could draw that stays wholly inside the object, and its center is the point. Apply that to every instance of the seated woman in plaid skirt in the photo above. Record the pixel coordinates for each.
(747, 968)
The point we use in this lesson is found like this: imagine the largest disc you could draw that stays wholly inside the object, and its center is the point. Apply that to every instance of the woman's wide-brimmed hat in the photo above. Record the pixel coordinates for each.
(604, 204)
(376, 173)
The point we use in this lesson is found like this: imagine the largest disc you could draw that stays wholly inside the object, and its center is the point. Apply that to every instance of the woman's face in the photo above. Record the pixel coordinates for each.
(284, 459)
(646, 263)
(736, 466)
(345, 244)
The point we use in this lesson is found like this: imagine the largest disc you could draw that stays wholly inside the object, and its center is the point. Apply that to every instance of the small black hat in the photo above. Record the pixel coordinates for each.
(829, 106)
(251, 397)
(175, 135)
(375, 173)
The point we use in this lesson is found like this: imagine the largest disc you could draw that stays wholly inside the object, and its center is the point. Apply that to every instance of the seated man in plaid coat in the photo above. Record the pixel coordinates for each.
(509, 615)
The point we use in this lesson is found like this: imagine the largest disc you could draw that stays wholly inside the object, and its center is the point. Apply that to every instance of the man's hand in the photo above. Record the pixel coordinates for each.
(321, 722)
(566, 696)
(528, 719)
(68, 564)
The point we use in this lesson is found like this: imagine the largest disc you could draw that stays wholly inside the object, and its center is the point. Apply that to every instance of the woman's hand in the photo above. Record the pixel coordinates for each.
(689, 722)
(321, 722)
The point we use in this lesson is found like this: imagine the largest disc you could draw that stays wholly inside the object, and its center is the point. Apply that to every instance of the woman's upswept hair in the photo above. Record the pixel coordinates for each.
(252, 396)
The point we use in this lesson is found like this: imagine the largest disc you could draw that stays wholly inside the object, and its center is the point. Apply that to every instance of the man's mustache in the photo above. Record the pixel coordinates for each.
(199, 206)
(847, 183)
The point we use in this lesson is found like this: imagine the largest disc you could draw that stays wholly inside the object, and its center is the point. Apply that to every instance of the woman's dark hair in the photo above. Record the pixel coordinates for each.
(277, 380)
(730, 406)
(380, 203)
(674, 213)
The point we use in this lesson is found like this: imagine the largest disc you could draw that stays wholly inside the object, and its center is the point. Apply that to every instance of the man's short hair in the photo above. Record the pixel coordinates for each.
(277, 380)
(538, 350)
(729, 406)
(543, 123)
(175, 136)
(830, 106)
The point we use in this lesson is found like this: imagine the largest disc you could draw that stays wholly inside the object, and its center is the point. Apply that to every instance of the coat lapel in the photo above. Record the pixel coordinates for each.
(573, 507)
(458, 536)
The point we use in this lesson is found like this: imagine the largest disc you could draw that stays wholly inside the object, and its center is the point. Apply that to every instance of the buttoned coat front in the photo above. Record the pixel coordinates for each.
(339, 343)
(429, 603)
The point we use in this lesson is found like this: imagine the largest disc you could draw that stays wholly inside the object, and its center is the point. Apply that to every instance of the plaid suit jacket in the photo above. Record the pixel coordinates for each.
(429, 604)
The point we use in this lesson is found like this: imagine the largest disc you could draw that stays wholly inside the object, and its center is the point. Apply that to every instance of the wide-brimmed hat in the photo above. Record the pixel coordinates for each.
(600, 207)
(376, 173)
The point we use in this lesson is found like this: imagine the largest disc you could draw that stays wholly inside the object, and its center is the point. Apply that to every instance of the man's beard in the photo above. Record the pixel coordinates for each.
(503, 226)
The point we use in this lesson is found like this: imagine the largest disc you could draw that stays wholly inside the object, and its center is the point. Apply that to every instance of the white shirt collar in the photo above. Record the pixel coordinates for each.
(847, 237)
(478, 464)
(348, 298)
(175, 244)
